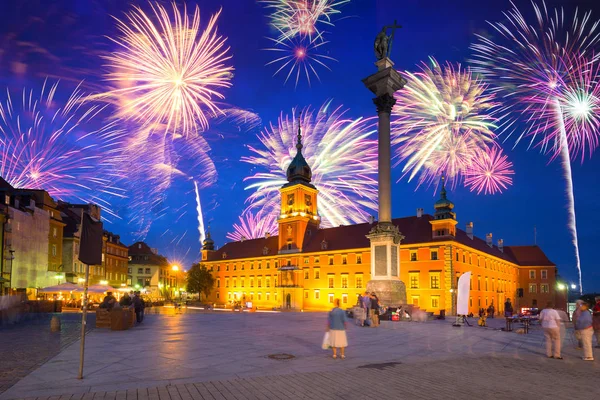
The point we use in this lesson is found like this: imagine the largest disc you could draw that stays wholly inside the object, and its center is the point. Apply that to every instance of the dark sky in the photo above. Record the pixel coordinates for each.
(64, 39)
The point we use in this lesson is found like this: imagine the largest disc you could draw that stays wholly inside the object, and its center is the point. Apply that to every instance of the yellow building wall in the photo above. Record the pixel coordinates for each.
(238, 280)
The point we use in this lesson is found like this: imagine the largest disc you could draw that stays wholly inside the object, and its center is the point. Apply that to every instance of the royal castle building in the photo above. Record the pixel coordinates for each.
(306, 267)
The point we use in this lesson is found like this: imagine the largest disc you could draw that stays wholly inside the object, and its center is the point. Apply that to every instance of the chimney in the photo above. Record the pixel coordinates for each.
(501, 245)
(419, 212)
(470, 230)
(488, 239)
(371, 219)
(267, 235)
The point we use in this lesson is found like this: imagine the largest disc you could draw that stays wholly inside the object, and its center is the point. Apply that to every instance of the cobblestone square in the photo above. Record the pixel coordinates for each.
(191, 355)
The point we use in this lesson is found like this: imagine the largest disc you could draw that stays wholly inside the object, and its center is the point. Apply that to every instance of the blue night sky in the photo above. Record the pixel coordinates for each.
(64, 39)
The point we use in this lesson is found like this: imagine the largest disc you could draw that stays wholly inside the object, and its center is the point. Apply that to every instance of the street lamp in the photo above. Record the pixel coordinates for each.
(59, 277)
(573, 286)
(175, 268)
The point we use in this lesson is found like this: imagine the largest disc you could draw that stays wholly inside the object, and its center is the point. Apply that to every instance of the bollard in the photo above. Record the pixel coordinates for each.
(55, 324)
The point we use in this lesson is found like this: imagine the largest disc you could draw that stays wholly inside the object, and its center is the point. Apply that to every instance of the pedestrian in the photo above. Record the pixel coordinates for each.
(137, 306)
(336, 326)
(508, 309)
(586, 329)
(374, 310)
(491, 310)
(596, 320)
(550, 321)
(143, 308)
(108, 302)
(576, 314)
(125, 300)
(366, 305)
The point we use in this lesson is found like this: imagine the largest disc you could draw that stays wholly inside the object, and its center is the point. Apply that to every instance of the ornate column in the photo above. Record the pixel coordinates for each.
(384, 237)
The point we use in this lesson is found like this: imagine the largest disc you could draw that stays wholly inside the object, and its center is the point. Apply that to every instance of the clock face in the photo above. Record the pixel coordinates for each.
(307, 200)
(290, 199)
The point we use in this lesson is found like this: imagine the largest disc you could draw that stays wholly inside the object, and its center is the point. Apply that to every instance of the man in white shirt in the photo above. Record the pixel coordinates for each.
(550, 320)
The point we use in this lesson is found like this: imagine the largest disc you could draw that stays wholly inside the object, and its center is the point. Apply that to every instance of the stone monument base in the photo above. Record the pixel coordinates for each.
(390, 292)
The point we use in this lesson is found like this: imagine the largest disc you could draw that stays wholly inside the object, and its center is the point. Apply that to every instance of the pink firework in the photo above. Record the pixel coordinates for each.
(253, 226)
(490, 172)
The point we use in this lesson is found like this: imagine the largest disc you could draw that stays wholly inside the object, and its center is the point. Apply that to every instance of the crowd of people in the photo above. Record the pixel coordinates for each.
(586, 325)
(134, 301)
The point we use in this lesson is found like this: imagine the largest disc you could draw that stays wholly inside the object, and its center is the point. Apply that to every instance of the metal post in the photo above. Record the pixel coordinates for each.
(83, 320)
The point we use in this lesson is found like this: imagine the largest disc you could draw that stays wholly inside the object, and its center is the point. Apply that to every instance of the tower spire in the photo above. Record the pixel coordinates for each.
(299, 144)
(443, 191)
(299, 171)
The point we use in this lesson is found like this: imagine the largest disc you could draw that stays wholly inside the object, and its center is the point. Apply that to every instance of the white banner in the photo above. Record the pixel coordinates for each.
(462, 298)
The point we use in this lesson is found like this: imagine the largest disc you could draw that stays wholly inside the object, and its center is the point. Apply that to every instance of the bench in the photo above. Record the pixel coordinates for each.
(118, 319)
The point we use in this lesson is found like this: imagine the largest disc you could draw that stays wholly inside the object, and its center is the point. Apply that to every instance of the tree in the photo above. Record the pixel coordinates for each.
(200, 280)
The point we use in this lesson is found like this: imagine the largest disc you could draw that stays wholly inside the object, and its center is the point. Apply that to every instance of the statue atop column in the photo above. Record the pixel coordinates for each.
(383, 42)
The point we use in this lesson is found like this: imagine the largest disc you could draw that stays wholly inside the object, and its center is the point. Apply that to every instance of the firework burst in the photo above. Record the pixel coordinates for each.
(300, 58)
(168, 70)
(549, 72)
(489, 173)
(291, 18)
(253, 226)
(444, 119)
(55, 146)
(342, 157)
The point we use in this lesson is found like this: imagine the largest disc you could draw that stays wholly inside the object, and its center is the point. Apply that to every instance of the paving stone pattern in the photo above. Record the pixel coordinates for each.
(225, 356)
(29, 344)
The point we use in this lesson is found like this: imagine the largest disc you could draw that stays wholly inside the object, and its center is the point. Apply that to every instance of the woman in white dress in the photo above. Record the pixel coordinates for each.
(336, 326)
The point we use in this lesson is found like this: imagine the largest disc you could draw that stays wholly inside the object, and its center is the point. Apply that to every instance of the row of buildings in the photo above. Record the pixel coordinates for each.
(306, 267)
(40, 247)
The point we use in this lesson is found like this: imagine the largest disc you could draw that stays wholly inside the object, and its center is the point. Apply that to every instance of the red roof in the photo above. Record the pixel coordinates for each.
(416, 230)
(529, 256)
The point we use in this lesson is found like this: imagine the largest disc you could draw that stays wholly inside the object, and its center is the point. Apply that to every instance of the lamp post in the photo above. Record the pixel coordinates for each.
(175, 268)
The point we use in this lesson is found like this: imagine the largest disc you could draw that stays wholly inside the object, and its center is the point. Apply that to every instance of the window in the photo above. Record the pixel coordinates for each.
(434, 279)
(276, 264)
(259, 265)
(316, 260)
(330, 281)
(289, 245)
(218, 283)
(227, 267)
(359, 281)
(259, 282)
(359, 259)
(148, 270)
(235, 283)
(268, 265)
(251, 265)
(54, 232)
(470, 302)
(306, 294)
(330, 298)
(229, 295)
(129, 270)
(268, 296)
(317, 274)
(330, 260)
(242, 282)
(306, 273)
(413, 278)
(544, 274)
(532, 274)
(218, 268)
(344, 259)
(434, 255)
(305, 260)
(268, 282)
(532, 288)
(317, 295)
(242, 267)
(464, 258)
(227, 282)
(478, 283)
(251, 296)
(140, 270)
(415, 300)
(435, 301)
(344, 281)
(251, 282)
(54, 250)
(413, 256)
(544, 288)
(457, 256)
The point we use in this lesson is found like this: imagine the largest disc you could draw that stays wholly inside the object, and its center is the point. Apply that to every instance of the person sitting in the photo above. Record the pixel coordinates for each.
(126, 301)
(108, 302)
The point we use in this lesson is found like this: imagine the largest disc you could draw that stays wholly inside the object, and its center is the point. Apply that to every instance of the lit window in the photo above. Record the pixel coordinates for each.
(330, 260)
(544, 288)
(242, 283)
(226, 282)
(235, 283)
(413, 256)
(344, 298)
(532, 274)
(413, 278)
(434, 279)
(268, 296)
(268, 282)
(260, 283)
(251, 282)
(317, 274)
(54, 232)
(532, 288)
(359, 281)
(330, 280)
(54, 250)
(218, 283)
(306, 273)
(344, 259)
(359, 259)
(330, 298)
(544, 274)
(344, 281)
(478, 283)
(306, 294)
(435, 301)
(316, 295)
(259, 296)
(306, 260)
(434, 255)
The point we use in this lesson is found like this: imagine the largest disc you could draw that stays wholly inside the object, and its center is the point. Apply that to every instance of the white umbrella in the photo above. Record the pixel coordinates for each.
(97, 289)
(63, 287)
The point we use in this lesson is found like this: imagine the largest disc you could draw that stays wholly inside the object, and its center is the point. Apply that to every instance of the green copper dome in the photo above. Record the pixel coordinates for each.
(299, 171)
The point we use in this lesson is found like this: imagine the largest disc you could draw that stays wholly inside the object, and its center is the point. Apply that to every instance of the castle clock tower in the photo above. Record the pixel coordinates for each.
(298, 204)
